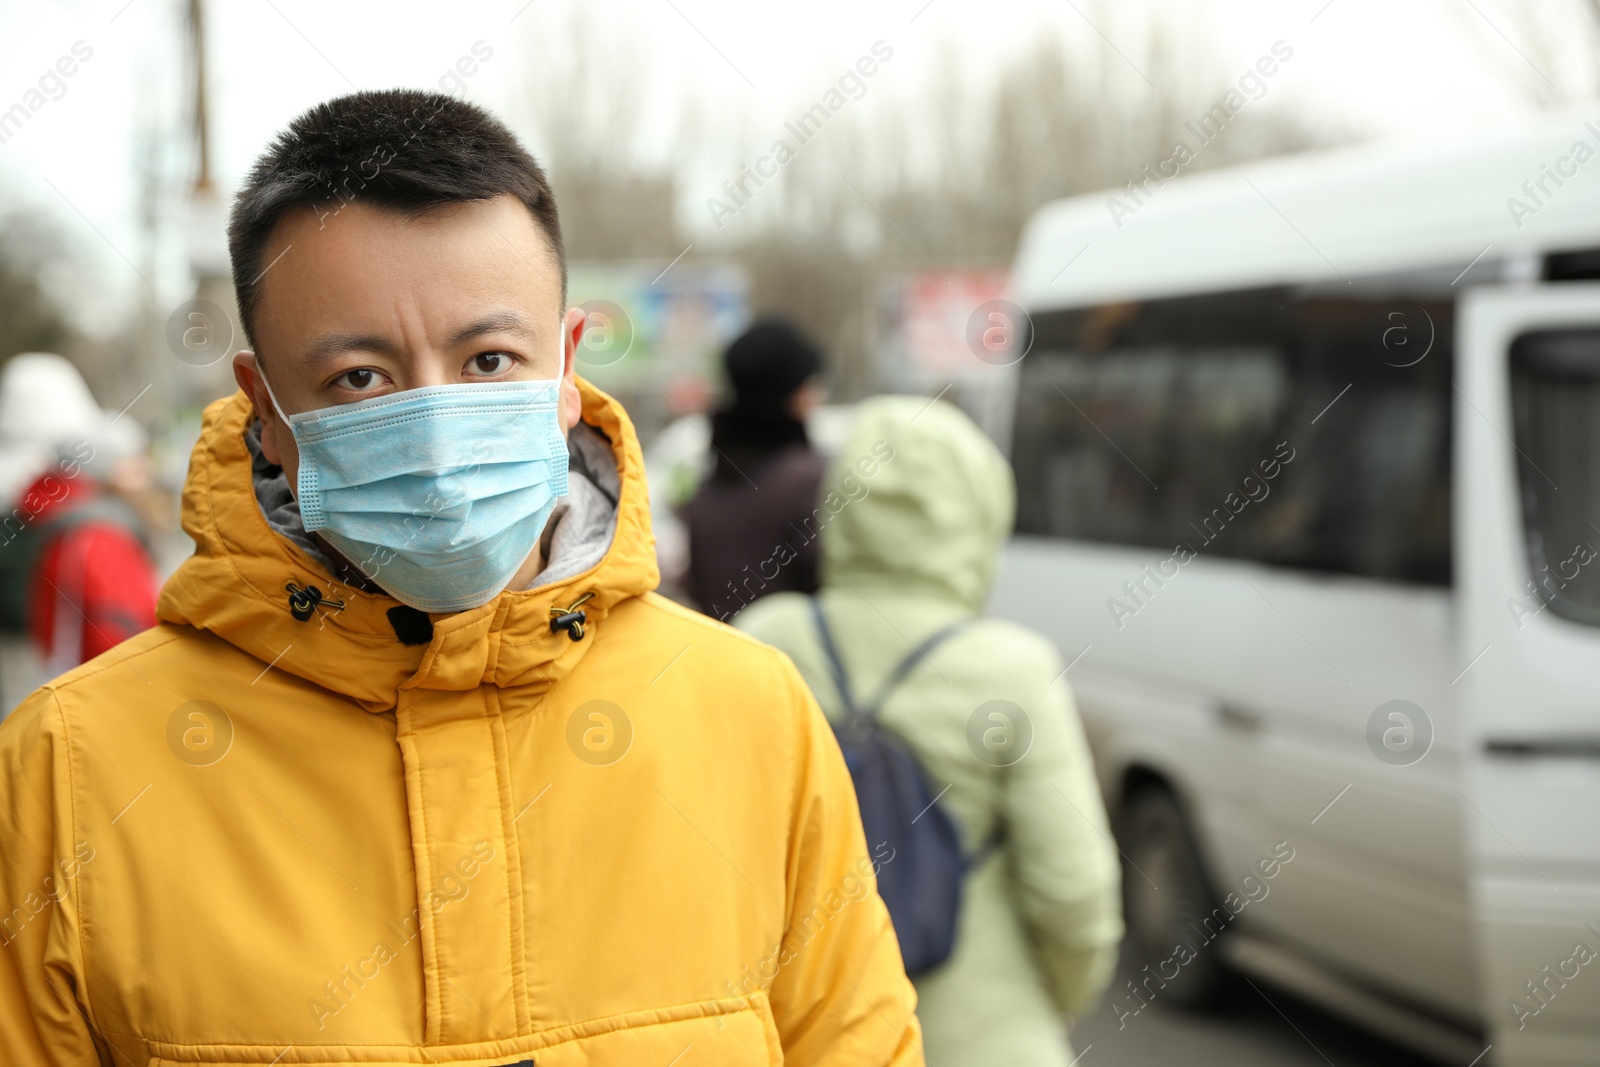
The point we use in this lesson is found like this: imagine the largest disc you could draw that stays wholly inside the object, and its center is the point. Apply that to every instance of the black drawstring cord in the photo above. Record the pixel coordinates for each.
(304, 602)
(570, 618)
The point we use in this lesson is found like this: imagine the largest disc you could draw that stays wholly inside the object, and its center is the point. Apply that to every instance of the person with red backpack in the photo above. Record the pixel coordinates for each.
(76, 575)
(92, 581)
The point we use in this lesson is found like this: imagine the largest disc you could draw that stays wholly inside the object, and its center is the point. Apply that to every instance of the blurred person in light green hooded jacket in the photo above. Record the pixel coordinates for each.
(912, 518)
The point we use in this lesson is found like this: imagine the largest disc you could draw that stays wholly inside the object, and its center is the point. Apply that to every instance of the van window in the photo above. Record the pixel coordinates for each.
(1302, 427)
(1555, 399)
(1578, 265)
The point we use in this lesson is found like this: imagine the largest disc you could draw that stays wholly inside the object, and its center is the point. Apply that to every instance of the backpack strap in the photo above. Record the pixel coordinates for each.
(101, 509)
(841, 681)
(907, 665)
(991, 845)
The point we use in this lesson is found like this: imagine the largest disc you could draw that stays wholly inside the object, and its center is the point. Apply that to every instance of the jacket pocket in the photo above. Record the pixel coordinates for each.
(712, 1033)
(738, 1033)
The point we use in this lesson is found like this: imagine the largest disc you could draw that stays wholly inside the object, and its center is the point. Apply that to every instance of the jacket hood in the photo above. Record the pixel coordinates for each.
(930, 518)
(235, 584)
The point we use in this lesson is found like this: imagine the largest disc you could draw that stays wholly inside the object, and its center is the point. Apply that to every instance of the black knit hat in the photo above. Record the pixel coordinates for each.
(769, 361)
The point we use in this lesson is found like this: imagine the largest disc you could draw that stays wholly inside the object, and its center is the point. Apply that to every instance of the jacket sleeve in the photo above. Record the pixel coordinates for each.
(1065, 866)
(841, 995)
(42, 1018)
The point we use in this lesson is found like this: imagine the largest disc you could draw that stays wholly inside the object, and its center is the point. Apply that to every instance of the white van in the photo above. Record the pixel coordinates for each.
(1308, 467)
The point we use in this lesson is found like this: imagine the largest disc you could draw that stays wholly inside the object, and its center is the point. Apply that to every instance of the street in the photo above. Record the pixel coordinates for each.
(1266, 1028)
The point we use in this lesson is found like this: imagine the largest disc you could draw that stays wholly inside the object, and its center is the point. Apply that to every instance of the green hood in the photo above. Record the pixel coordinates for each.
(931, 516)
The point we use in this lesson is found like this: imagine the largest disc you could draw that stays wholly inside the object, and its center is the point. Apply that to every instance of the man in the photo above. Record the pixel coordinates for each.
(416, 768)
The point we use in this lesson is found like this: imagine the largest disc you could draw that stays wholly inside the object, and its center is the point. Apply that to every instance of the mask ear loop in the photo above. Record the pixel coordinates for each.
(272, 396)
(298, 495)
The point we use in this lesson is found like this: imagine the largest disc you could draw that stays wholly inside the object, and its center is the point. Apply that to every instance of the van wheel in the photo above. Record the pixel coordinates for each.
(1167, 900)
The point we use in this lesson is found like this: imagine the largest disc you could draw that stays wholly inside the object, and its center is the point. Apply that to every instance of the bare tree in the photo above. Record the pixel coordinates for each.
(31, 318)
(952, 174)
(947, 173)
(958, 170)
(588, 120)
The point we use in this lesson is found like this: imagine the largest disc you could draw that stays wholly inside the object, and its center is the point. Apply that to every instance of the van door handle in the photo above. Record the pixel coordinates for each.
(1235, 718)
(1577, 746)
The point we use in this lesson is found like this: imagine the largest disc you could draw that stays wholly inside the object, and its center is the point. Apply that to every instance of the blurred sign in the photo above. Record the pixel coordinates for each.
(647, 324)
(930, 317)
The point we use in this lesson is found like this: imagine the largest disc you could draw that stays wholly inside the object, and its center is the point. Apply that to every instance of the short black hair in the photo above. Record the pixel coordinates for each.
(407, 150)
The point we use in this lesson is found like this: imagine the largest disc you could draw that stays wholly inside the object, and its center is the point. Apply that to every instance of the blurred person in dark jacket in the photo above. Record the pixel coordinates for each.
(751, 524)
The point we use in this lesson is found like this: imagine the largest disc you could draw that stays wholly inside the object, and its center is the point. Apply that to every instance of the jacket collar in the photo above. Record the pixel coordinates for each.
(235, 585)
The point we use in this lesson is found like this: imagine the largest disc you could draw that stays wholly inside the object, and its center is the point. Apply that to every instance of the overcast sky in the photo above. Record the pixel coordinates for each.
(1392, 68)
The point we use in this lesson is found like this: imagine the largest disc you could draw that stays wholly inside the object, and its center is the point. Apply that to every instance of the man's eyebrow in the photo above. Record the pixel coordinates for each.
(329, 345)
(495, 322)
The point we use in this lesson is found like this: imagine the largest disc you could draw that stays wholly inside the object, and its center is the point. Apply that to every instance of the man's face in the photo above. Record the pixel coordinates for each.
(371, 301)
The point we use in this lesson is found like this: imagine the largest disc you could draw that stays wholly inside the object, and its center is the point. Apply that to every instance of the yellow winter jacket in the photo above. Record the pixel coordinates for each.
(246, 838)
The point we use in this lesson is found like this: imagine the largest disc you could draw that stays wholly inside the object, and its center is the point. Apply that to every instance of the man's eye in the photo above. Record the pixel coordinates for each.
(357, 380)
(489, 363)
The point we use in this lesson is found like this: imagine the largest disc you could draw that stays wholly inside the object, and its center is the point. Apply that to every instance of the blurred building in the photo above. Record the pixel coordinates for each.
(656, 332)
(937, 332)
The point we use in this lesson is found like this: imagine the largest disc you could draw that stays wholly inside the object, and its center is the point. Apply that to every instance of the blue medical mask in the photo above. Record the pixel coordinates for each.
(437, 494)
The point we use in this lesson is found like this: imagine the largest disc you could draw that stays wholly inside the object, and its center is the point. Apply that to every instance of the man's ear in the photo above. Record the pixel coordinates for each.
(572, 327)
(247, 372)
